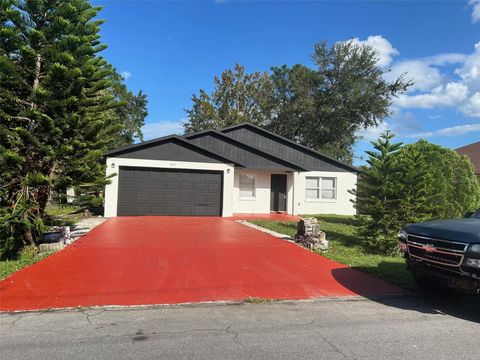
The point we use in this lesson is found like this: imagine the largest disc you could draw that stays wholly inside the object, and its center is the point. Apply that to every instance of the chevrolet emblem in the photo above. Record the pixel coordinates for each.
(429, 248)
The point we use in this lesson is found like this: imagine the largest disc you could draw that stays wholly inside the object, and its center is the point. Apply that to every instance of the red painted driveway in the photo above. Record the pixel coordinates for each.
(166, 260)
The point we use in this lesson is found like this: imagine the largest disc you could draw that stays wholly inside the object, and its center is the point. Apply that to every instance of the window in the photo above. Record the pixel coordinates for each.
(324, 188)
(247, 186)
(312, 188)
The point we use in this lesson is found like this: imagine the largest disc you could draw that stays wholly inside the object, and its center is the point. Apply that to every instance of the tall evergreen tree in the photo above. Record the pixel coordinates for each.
(55, 92)
(416, 190)
(378, 196)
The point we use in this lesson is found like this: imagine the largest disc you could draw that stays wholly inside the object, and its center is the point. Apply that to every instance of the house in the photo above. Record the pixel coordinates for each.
(239, 169)
(473, 152)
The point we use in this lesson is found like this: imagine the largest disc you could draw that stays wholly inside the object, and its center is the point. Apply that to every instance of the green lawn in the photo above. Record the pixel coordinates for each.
(344, 248)
(26, 257)
(64, 214)
(56, 215)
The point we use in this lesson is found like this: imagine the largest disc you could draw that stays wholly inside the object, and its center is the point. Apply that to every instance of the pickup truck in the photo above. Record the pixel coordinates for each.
(444, 254)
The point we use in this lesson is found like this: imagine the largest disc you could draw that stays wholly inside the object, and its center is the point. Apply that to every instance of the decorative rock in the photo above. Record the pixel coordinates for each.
(310, 236)
(43, 248)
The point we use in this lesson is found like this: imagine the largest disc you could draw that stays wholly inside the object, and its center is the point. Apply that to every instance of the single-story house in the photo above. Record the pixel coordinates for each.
(473, 153)
(237, 170)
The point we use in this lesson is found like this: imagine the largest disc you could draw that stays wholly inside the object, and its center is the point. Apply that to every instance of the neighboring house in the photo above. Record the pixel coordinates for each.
(473, 152)
(240, 169)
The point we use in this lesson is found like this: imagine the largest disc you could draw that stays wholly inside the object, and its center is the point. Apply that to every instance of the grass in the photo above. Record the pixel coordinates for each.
(55, 215)
(62, 215)
(344, 248)
(61, 209)
(257, 300)
(27, 257)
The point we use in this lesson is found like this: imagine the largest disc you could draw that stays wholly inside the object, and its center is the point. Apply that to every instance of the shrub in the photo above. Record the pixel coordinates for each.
(412, 183)
(453, 187)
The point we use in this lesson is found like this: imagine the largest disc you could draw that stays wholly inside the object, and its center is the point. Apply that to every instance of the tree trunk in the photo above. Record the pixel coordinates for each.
(42, 198)
(27, 233)
(38, 68)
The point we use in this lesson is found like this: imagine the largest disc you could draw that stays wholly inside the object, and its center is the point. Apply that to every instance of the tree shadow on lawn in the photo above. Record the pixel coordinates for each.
(337, 219)
(349, 240)
(460, 306)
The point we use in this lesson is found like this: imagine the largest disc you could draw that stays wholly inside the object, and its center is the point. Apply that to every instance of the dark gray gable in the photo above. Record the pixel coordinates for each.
(236, 150)
(286, 149)
(169, 148)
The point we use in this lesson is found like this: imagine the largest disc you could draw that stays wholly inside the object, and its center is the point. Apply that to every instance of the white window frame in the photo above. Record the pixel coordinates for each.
(250, 187)
(319, 189)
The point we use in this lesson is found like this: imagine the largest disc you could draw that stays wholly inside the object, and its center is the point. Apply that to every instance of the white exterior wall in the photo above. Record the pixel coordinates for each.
(296, 201)
(341, 205)
(261, 203)
(113, 164)
(258, 205)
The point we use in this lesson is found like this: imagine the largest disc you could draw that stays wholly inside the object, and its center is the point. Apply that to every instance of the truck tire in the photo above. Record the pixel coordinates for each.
(429, 285)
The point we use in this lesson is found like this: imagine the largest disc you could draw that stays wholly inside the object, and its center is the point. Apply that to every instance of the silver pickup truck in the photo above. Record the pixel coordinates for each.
(444, 253)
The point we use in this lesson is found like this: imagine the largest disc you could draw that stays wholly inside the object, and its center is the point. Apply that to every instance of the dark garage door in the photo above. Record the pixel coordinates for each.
(149, 191)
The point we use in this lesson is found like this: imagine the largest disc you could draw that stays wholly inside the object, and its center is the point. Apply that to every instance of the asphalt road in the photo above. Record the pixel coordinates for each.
(400, 328)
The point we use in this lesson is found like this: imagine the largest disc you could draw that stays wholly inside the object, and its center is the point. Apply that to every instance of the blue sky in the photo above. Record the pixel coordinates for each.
(172, 49)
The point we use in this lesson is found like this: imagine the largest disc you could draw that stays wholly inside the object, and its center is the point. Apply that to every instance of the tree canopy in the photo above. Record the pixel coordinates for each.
(57, 95)
(238, 97)
(321, 107)
(408, 184)
(454, 188)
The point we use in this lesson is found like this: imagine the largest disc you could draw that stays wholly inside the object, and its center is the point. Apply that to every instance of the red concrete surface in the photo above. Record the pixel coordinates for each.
(167, 260)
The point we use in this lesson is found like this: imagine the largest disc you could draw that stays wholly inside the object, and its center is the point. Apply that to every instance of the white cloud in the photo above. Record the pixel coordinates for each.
(162, 128)
(475, 10)
(125, 74)
(449, 131)
(399, 123)
(425, 76)
(445, 59)
(385, 50)
(373, 132)
(470, 71)
(472, 107)
(451, 94)
(436, 85)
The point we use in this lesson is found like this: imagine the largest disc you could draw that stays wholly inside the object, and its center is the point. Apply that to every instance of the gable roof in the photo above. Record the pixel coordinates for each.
(260, 159)
(170, 138)
(473, 152)
(244, 145)
(292, 144)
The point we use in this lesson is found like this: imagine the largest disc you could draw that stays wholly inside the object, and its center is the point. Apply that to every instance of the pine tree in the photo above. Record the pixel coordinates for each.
(55, 92)
(378, 196)
(417, 189)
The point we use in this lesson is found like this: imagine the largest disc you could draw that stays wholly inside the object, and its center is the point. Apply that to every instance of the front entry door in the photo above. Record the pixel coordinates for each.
(278, 192)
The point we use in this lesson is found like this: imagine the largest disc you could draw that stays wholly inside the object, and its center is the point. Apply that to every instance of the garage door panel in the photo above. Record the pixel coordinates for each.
(171, 185)
(200, 187)
(129, 184)
(142, 197)
(186, 198)
(212, 187)
(185, 186)
(171, 198)
(150, 191)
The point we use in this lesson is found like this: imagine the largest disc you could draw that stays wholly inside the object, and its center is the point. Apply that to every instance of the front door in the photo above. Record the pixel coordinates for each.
(278, 192)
